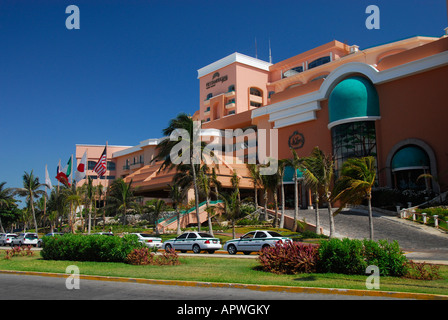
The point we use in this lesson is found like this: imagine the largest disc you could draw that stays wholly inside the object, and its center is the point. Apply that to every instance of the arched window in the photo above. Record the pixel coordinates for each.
(408, 163)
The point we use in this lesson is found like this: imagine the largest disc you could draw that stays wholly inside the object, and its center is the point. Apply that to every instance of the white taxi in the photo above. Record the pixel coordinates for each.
(255, 241)
(193, 241)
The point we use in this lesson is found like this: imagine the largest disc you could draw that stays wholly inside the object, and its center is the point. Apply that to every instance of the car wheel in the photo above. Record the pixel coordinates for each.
(231, 249)
(266, 246)
(196, 248)
(168, 248)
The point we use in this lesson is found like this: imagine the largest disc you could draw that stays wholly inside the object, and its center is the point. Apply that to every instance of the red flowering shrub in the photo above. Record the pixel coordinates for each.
(289, 258)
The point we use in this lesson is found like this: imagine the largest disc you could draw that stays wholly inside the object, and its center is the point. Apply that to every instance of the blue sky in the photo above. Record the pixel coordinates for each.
(133, 65)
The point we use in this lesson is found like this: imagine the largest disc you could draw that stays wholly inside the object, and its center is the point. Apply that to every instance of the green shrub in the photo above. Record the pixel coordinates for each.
(341, 256)
(354, 256)
(99, 248)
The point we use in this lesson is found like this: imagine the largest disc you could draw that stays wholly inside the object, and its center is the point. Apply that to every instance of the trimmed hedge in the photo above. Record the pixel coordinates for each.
(100, 248)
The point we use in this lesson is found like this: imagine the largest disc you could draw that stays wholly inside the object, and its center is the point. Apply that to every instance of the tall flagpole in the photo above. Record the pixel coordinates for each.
(46, 194)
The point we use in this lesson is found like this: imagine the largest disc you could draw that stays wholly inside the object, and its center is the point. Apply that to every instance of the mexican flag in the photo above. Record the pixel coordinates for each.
(64, 174)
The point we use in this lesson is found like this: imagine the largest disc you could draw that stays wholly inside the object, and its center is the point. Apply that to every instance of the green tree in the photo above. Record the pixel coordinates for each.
(6, 200)
(321, 166)
(205, 184)
(90, 197)
(256, 180)
(296, 164)
(72, 198)
(189, 154)
(232, 208)
(355, 184)
(121, 197)
(31, 191)
(177, 196)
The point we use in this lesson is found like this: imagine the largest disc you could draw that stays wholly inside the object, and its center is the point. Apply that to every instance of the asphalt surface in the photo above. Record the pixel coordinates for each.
(24, 287)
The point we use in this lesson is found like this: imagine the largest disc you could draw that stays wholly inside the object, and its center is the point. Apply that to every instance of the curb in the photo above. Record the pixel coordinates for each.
(275, 288)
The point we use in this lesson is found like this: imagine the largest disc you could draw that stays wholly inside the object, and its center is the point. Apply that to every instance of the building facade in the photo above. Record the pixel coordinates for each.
(388, 101)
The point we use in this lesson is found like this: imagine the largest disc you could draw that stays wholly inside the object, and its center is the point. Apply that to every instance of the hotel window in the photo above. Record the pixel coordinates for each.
(318, 62)
(231, 112)
(255, 104)
(209, 96)
(353, 140)
(231, 88)
(91, 165)
(110, 165)
(271, 93)
(255, 92)
(293, 71)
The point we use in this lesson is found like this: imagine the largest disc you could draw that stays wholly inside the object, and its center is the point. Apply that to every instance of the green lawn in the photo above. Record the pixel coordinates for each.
(225, 270)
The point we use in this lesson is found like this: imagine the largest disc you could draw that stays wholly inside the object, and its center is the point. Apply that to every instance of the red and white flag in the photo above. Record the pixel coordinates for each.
(81, 169)
(101, 165)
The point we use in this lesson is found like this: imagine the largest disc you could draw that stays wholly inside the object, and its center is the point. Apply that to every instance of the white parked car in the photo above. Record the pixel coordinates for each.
(194, 241)
(148, 240)
(254, 241)
(7, 238)
(25, 239)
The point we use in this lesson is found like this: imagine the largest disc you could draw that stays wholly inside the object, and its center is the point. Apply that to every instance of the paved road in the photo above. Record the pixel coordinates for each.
(24, 287)
(355, 224)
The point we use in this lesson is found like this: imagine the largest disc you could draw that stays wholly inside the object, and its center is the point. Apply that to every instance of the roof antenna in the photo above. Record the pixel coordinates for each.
(270, 53)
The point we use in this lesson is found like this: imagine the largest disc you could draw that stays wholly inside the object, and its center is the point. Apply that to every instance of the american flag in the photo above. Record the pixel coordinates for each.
(100, 167)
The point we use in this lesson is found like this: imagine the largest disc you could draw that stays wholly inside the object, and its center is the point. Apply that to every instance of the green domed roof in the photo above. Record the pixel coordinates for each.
(353, 98)
(410, 157)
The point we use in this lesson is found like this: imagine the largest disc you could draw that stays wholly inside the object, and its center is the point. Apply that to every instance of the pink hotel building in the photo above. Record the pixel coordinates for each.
(389, 101)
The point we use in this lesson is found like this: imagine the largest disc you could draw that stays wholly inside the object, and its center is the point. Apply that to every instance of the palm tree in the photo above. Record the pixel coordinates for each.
(255, 176)
(356, 182)
(319, 172)
(158, 205)
(121, 197)
(6, 200)
(177, 196)
(90, 197)
(232, 207)
(57, 202)
(281, 173)
(189, 152)
(205, 185)
(313, 173)
(296, 164)
(73, 198)
(31, 190)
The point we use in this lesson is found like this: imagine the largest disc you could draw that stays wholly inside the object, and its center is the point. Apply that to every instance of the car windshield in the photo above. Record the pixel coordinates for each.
(274, 234)
(145, 235)
(31, 236)
(204, 235)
